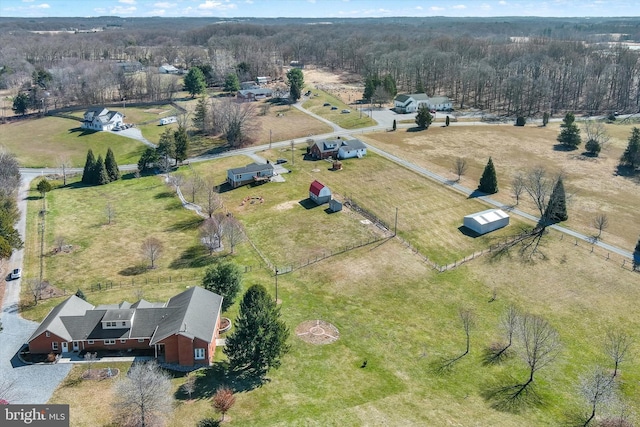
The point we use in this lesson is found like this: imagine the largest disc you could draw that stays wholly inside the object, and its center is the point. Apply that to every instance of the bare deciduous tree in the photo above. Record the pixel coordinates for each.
(234, 232)
(192, 186)
(236, 121)
(600, 223)
(460, 167)
(597, 388)
(596, 132)
(110, 212)
(90, 358)
(223, 400)
(144, 397)
(508, 323)
(65, 163)
(59, 241)
(35, 288)
(466, 315)
(213, 202)
(211, 232)
(540, 345)
(517, 187)
(152, 249)
(189, 385)
(617, 346)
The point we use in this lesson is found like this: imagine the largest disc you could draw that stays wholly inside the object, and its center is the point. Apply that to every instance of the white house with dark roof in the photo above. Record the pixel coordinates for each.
(351, 148)
(100, 118)
(183, 330)
(411, 102)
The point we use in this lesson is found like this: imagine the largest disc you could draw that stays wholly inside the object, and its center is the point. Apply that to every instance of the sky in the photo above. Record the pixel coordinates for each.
(317, 8)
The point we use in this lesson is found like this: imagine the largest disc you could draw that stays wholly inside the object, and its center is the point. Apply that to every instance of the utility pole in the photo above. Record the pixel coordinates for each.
(269, 139)
(395, 227)
(293, 154)
(276, 285)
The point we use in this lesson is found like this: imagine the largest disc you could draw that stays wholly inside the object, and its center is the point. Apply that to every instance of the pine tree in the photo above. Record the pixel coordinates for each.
(489, 180)
(111, 166)
(423, 118)
(638, 246)
(100, 172)
(631, 155)
(446, 121)
(259, 339)
(395, 126)
(181, 142)
(224, 279)
(545, 118)
(570, 133)
(200, 115)
(557, 208)
(231, 83)
(89, 167)
(194, 82)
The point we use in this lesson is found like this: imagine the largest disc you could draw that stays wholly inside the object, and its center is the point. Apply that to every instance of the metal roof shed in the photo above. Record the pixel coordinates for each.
(486, 221)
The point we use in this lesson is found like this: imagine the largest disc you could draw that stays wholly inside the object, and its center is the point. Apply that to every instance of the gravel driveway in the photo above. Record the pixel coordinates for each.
(32, 384)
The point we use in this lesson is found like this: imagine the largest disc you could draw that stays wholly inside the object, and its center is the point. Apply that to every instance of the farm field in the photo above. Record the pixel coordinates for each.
(40, 142)
(592, 185)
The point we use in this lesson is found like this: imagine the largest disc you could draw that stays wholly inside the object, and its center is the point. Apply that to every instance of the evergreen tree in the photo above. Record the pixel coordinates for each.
(89, 168)
(489, 180)
(21, 103)
(200, 115)
(194, 82)
(100, 174)
(231, 83)
(521, 121)
(570, 133)
(224, 279)
(631, 155)
(446, 121)
(389, 85)
(166, 149)
(557, 208)
(44, 186)
(259, 338)
(423, 118)
(545, 118)
(181, 142)
(111, 166)
(395, 126)
(296, 83)
(593, 147)
(638, 246)
(80, 294)
(148, 158)
(371, 83)
(419, 86)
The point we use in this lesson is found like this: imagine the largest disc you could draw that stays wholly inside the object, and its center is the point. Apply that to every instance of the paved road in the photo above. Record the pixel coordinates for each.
(31, 383)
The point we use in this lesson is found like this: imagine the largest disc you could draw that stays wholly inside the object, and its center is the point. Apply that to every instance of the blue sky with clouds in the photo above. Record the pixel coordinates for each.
(318, 8)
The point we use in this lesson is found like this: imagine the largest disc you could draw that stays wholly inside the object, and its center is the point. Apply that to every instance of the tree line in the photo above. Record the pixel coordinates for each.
(556, 65)
(9, 214)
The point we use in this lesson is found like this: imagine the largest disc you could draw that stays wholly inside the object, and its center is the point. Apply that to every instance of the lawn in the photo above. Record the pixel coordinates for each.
(592, 184)
(41, 142)
(352, 120)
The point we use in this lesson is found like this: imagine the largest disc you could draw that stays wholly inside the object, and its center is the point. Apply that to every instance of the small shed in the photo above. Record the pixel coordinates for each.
(486, 221)
(335, 206)
(319, 193)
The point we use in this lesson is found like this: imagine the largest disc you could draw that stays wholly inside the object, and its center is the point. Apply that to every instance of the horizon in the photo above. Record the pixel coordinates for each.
(317, 9)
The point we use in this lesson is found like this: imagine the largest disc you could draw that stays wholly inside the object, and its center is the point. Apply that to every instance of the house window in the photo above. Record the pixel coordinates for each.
(90, 341)
(54, 345)
(123, 341)
(47, 334)
(109, 342)
(199, 353)
(140, 339)
(124, 323)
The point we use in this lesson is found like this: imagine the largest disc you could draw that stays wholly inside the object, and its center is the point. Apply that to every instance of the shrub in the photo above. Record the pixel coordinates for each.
(208, 422)
(520, 121)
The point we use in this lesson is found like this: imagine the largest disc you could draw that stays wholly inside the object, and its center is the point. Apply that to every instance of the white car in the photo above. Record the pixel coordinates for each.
(16, 274)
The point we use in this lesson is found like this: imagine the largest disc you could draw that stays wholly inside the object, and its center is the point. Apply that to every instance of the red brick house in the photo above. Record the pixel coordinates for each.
(183, 330)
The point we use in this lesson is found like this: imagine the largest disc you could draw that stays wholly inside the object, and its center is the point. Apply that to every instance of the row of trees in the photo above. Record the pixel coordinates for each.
(100, 172)
(9, 215)
(173, 147)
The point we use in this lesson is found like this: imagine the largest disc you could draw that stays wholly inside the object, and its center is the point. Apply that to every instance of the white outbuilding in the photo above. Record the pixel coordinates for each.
(486, 221)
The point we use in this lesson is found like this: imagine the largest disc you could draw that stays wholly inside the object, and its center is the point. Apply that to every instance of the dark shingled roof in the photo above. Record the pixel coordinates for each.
(253, 167)
(118, 314)
(196, 314)
(72, 306)
(353, 144)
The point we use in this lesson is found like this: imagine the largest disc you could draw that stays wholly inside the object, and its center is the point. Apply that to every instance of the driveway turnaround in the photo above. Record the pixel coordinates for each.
(31, 384)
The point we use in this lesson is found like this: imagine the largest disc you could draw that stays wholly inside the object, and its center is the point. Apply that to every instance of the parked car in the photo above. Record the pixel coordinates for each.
(333, 107)
(281, 161)
(16, 274)
(116, 129)
(345, 111)
(326, 104)
(432, 111)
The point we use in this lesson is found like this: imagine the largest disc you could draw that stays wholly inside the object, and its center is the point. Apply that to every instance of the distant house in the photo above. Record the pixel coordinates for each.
(168, 120)
(410, 103)
(486, 221)
(249, 85)
(352, 148)
(319, 193)
(254, 94)
(296, 64)
(130, 67)
(168, 69)
(100, 118)
(263, 80)
(253, 172)
(183, 330)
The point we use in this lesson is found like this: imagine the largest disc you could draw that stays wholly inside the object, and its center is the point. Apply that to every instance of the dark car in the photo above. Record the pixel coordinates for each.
(326, 104)
(281, 161)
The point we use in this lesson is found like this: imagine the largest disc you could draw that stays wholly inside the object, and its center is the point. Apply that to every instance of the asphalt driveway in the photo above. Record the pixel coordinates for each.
(30, 383)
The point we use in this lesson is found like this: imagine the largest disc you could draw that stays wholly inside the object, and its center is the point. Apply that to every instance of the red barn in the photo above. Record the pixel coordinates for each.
(319, 193)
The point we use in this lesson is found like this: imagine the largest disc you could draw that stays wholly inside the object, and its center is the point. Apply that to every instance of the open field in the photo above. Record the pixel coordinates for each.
(352, 120)
(401, 317)
(39, 142)
(593, 183)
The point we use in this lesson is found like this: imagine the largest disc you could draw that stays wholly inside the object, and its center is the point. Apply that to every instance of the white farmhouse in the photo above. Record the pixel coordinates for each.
(100, 118)
(410, 103)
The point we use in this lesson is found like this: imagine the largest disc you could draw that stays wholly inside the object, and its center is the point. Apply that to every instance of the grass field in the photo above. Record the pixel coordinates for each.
(40, 142)
(352, 120)
(592, 184)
